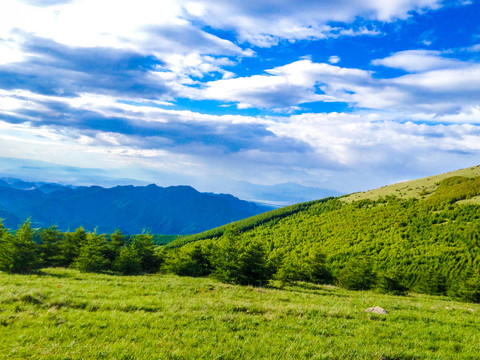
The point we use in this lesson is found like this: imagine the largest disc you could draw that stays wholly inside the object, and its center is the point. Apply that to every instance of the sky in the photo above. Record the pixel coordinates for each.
(346, 95)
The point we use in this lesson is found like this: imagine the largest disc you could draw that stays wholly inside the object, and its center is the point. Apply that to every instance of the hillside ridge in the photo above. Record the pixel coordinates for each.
(417, 188)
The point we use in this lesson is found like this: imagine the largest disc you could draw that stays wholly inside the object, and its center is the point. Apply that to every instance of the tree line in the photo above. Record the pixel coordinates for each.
(27, 250)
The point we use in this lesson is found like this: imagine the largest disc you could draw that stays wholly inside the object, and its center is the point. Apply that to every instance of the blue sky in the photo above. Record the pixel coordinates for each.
(345, 95)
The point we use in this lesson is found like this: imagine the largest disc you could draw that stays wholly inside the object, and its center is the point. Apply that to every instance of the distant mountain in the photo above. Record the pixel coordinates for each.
(169, 210)
(275, 195)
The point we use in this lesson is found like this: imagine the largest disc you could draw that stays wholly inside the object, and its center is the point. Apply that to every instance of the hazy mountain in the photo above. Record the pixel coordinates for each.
(169, 210)
(271, 195)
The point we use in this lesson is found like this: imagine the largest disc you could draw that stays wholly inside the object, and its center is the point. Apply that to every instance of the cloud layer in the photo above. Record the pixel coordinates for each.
(208, 92)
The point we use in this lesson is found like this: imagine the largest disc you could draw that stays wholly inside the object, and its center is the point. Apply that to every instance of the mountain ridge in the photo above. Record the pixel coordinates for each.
(132, 209)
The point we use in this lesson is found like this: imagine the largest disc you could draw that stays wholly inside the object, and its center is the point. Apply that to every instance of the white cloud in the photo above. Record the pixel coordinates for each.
(265, 23)
(286, 86)
(474, 48)
(299, 148)
(436, 86)
(147, 27)
(418, 61)
(334, 59)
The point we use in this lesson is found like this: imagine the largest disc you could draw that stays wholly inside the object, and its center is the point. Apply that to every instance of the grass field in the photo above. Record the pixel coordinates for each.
(64, 314)
(415, 188)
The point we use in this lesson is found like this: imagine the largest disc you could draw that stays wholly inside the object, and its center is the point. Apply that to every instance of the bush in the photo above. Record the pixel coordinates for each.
(90, 258)
(357, 275)
(238, 262)
(128, 262)
(19, 253)
(391, 284)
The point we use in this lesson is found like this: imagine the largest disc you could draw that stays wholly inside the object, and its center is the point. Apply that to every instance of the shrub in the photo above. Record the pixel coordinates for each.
(128, 262)
(90, 258)
(238, 262)
(357, 275)
(19, 253)
(391, 284)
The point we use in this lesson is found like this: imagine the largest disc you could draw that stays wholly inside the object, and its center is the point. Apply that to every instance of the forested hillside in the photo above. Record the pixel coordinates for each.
(429, 243)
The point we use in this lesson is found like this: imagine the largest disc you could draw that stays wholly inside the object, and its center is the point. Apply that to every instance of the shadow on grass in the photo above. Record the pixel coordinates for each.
(307, 288)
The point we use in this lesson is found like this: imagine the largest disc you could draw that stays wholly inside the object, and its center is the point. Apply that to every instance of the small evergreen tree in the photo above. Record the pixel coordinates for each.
(114, 246)
(189, 262)
(181, 262)
(390, 283)
(315, 267)
(201, 256)
(90, 258)
(432, 282)
(290, 269)
(19, 253)
(253, 265)
(226, 259)
(467, 288)
(145, 248)
(357, 275)
(128, 262)
(51, 239)
(71, 245)
(304, 266)
(237, 262)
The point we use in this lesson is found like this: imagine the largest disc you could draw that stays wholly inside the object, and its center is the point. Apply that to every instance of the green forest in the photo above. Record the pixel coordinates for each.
(428, 245)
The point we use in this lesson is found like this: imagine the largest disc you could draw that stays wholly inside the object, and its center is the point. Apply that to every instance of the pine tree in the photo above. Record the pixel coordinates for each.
(315, 267)
(226, 259)
(357, 274)
(253, 265)
(128, 262)
(115, 245)
(145, 248)
(290, 269)
(51, 239)
(71, 245)
(90, 258)
(19, 253)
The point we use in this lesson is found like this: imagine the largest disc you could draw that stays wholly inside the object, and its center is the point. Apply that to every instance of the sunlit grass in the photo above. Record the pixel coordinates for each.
(419, 188)
(64, 314)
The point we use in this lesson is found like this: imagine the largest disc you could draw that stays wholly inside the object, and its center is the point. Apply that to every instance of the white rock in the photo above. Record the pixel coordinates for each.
(377, 310)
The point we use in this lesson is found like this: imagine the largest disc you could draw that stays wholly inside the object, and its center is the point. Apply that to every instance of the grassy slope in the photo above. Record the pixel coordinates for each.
(68, 315)
(418, 188)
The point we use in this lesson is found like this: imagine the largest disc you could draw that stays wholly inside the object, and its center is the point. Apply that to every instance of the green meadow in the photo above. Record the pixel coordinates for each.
(64, 314)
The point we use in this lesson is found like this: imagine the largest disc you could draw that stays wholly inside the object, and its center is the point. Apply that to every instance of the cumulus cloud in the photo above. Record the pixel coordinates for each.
(267, 22)
(286, 86)
(434, 85)
(418, 61)
(151, 31)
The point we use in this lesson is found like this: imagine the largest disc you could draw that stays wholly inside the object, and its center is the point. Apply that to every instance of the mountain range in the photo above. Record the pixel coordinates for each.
(132, 209)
